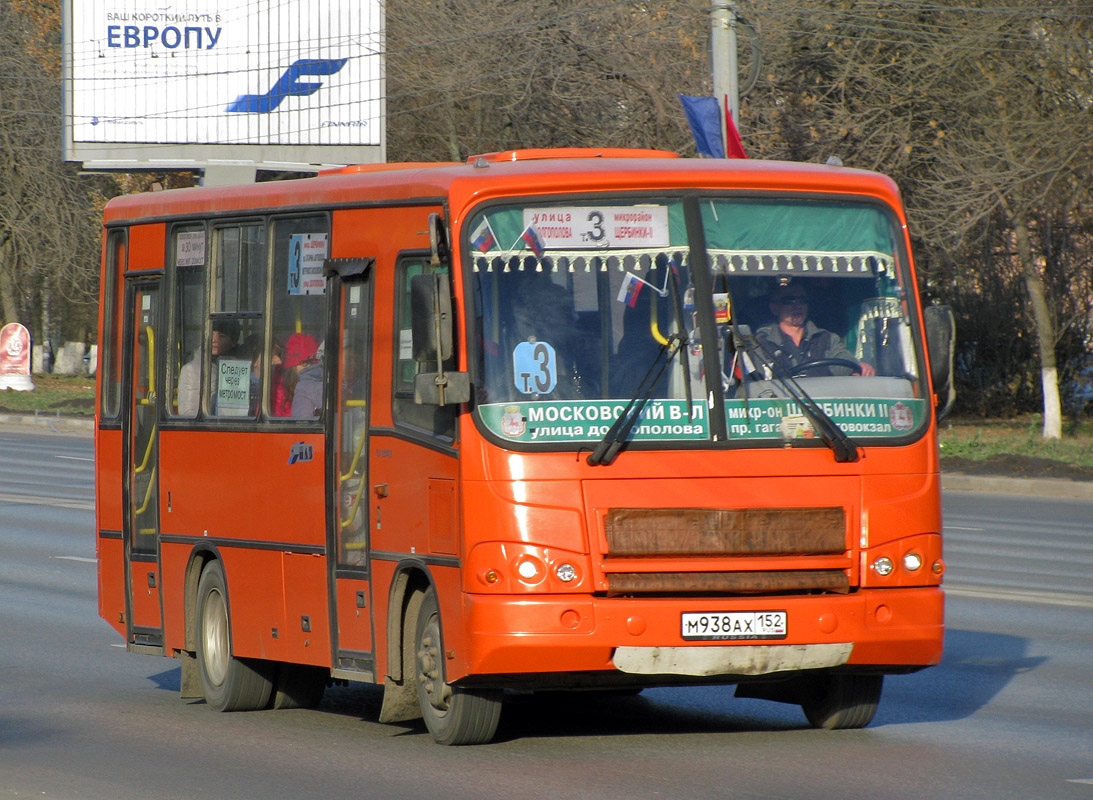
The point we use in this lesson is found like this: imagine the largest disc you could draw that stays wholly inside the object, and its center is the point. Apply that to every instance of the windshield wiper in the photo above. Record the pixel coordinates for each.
(613, 441)
(832, 435)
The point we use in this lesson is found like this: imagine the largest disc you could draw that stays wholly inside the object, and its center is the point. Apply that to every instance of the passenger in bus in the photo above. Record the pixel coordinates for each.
(300, 353)
(794, 340)
(253, 348)
(308, 398)
(225, 337)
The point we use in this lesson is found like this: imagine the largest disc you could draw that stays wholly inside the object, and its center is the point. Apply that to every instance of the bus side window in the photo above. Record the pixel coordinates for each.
(117, 261)
(236, 316)
(300, 246)
(435, 420)
(184, 372)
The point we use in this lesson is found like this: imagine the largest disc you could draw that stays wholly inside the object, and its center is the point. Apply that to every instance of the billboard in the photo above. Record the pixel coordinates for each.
(271, 83)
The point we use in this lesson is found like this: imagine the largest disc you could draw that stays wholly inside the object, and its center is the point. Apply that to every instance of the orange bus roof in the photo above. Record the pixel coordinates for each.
(502, 174)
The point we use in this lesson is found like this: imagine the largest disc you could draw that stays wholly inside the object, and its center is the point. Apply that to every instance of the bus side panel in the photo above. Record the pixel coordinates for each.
(257, 603)
(417, 519)
(383, 573)
(243, 486)
(354, 615)
(112, 582)
(263, 585)
(174, 559)
(402, 524)
(239, 492)
(108, 517)
(109, 474)
(306, 636)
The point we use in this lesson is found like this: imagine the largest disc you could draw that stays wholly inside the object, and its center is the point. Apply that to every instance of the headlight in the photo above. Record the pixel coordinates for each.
(565, 572)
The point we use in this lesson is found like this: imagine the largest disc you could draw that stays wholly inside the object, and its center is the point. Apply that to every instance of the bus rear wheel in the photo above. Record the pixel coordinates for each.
(841, 701)
(228, 683)
(453, 716)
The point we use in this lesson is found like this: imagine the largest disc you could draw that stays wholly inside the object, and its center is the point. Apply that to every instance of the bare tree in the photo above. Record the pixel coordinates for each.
(981, 113)
(469, 76)
(48, 214)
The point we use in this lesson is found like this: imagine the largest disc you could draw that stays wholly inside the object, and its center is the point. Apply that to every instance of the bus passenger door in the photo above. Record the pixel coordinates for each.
(144, 610)
(347, 415)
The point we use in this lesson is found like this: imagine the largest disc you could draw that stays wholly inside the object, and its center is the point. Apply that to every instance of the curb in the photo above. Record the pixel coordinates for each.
(1029, 487)
(50, 422)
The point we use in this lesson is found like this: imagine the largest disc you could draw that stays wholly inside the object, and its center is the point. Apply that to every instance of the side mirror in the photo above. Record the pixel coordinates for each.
(941, 346)
(431, 334)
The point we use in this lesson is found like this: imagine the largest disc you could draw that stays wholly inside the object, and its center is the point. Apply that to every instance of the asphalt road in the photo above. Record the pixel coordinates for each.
(1007, 715)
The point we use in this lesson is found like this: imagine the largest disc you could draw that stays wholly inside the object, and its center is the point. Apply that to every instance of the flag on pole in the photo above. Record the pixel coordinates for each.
(532, 240)
(483, 237)
(734, 148)
(631, 287)
(704, 117)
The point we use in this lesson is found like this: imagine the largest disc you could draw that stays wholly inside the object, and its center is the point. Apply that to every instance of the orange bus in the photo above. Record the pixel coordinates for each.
(576, 419)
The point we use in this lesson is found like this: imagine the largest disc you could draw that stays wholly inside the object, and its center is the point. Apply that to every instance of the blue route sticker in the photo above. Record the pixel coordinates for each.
(535, 368)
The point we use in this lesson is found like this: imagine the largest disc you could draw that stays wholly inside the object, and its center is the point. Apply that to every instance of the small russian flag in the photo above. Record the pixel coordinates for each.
(483, 237)
(630, 289)
(532, 240)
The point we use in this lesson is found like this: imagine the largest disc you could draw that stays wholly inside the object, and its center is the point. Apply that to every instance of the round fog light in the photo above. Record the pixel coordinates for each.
(566, 572)
(912, 562)
(528, 569)
(883, 566)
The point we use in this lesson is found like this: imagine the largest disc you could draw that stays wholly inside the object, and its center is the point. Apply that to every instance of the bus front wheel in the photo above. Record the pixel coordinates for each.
(229, 683)
(453, 716)
(839, 701)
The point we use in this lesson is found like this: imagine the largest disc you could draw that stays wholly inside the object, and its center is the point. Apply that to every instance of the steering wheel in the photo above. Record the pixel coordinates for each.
(799, 370)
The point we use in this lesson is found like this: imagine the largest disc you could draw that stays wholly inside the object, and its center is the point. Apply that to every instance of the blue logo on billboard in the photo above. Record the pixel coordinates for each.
(288, 85)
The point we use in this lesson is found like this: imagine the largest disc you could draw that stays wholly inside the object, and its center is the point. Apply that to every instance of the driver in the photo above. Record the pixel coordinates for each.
(794, 340)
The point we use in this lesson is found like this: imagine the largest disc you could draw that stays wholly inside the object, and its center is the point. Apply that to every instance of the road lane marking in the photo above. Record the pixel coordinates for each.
(962, 528)
(77, 558)
(76, 458)
(1040, 598)
(59, 502)
(1080, 780)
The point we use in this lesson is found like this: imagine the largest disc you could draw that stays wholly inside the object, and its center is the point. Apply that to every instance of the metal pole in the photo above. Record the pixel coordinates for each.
(723, 47)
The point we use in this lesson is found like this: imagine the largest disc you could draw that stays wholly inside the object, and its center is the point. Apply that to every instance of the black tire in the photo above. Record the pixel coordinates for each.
(453, 716)
(228, 683)
(299, 686)
(838, 701)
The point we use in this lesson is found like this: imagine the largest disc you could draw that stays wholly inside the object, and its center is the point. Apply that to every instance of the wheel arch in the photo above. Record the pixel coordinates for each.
(200, 556)
(411, 575)
(412, 579)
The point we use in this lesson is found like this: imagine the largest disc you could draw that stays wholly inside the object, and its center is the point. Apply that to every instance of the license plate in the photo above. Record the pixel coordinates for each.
(713, 625)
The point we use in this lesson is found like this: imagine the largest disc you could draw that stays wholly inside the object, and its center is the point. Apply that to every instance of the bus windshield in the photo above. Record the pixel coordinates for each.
(578, 304)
